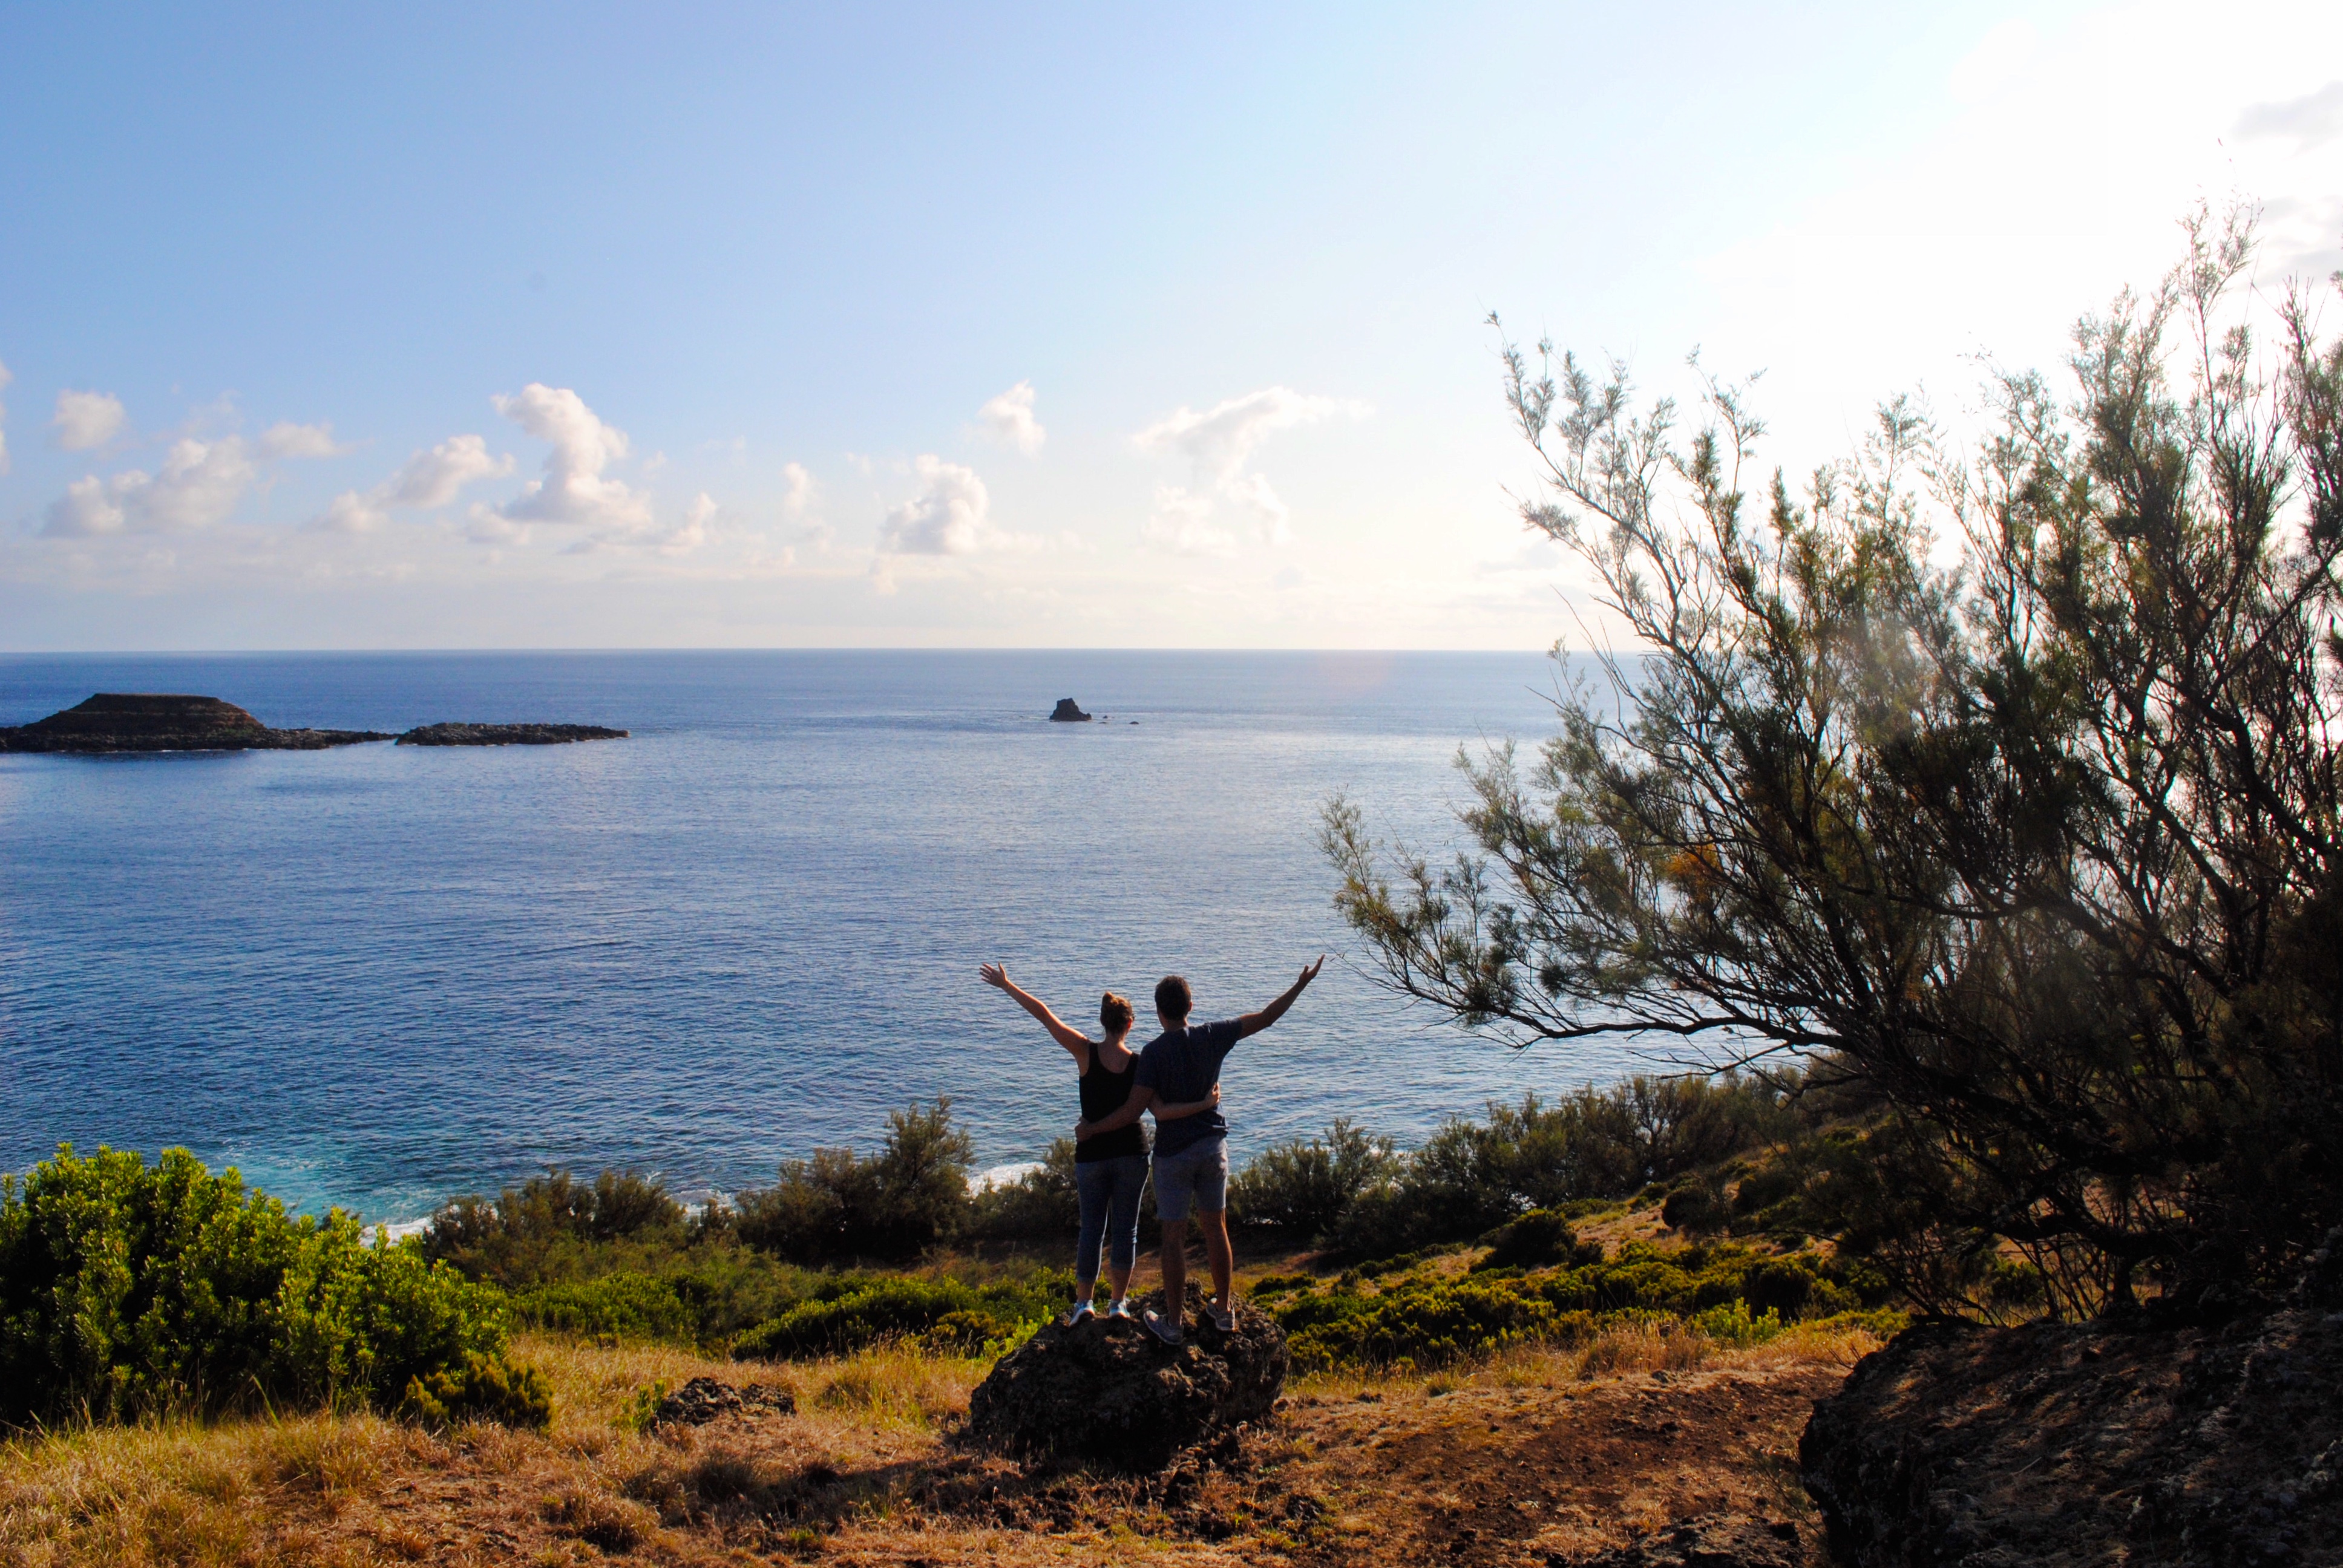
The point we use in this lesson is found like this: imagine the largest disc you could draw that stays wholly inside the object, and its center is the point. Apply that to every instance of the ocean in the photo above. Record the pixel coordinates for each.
(378, 976)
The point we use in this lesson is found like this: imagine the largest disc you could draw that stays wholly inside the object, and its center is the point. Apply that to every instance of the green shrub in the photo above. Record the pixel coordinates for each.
(908, 1196)
(1422, 1319)
(127, 1288)
(1039, 1206)
(1539, 1238)
(513, 1239)
(1303, 1186)
(619, 1306)
(482, 1389)
(855, 1310)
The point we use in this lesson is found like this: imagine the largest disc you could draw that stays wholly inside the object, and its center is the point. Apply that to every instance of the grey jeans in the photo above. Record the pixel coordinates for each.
(1195, 1178)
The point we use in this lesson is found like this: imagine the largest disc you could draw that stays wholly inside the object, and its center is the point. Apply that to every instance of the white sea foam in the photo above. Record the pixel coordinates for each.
(1004, 1175)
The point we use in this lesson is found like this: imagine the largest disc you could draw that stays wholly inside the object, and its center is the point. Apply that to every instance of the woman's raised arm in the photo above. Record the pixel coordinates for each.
(1073, 1039)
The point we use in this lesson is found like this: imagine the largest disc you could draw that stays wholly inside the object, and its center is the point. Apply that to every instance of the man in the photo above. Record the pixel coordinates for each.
(1192, 1153)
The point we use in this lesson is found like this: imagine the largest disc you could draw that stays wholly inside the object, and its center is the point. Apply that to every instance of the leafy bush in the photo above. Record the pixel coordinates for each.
(1473, 1176)
(1041, 1204)
(130, 1288)
(617, 1306)
(1539, 1238)
(513, 1239)
(483, 1388)
(908, 1196)
(855, 1310)
(1302, 1187)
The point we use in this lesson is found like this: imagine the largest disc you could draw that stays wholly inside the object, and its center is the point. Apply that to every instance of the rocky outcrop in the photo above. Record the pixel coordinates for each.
(1105, 1392)
(162, 721)
(704, 1399)
(1066, 712)
(507, 734)
(2157, 1444)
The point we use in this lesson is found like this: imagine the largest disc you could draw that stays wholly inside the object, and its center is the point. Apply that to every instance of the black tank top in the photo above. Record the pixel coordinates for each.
(1103, 1093)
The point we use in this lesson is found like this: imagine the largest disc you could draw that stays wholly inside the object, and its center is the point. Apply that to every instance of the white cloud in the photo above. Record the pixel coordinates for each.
(199, 485)
(1218, 444)
(287, 439)
(694, 531)
(799, 495)
(5, 380)
(425, 482)
(85, 419)
(574, 489)
(947, 518)
(2312, 120)
(1008, 419)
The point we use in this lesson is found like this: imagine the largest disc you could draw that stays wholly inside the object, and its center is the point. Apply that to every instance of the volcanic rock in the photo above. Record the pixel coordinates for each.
(1106, 1392)
(1066, 712)
(2163, 1442)
(160, 721)
(703, 1399)
(507, 734)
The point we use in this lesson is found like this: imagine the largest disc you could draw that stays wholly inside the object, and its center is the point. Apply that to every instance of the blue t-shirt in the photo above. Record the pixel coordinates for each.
(1181, 1065)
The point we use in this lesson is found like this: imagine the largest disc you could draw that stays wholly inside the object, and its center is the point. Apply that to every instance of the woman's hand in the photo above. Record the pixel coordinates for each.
(995, 976)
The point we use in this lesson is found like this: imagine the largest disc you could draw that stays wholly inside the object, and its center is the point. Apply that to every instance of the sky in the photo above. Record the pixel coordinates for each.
(892, 325)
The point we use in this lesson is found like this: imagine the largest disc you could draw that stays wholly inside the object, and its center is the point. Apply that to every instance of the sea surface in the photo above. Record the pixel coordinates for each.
(380, 975)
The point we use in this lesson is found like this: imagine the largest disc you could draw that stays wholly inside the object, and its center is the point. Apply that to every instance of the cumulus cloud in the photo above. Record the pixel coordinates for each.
(1219, 445)
(1008, 419)
(693, 531)
(85, 419)
(574, 489)
(199, 483)
(5, 380)
(798, 497)
(425, 482)
(287, 439)
(947, 518)
(2312, 120)
(197, 486)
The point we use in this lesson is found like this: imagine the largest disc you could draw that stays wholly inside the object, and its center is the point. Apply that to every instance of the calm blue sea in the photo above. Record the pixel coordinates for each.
(381, 975)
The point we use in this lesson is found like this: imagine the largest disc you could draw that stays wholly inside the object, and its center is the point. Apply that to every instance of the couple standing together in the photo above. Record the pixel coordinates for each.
(1178, 1079)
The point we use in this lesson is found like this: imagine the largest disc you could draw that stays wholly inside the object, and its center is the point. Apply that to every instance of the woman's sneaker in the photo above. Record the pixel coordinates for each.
(1166, 1328)
(1119, 1309)
(1081, 1310)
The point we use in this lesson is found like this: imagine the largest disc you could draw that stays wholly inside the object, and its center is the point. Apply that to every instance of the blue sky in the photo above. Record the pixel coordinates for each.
(1028, 327)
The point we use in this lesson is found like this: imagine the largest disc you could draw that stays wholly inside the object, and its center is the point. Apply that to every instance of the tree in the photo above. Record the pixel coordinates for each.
(2038, 850)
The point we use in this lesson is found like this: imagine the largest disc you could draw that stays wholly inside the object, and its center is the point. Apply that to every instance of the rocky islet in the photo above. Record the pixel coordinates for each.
(131, 722)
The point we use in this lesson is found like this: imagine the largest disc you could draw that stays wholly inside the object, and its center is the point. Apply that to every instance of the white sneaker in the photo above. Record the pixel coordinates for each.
(1119, 1309)
(1163, 1328)
(1081, 1310)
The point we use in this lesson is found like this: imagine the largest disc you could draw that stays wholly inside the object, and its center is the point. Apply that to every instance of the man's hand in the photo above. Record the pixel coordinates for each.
(1254, 1022)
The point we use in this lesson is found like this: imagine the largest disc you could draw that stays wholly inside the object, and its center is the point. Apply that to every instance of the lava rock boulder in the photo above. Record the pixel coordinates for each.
(1106, 1393)
(1069, 712)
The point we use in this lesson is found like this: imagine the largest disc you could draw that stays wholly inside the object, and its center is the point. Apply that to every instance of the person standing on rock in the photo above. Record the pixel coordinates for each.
(1110, 1170)
(1182, 1065)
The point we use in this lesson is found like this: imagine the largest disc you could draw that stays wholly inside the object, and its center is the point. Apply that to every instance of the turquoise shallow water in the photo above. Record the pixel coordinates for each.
(379, 975)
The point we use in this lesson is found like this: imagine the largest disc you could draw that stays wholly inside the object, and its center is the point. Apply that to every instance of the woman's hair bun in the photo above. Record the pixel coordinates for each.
(1115, 1013)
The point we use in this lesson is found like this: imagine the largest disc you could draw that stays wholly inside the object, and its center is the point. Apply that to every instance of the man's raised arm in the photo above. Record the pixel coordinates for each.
(1254, 1022)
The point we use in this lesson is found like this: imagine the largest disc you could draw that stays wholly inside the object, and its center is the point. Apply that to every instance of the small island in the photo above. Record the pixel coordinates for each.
(507, 734)
(1069, 712)
(114, 721)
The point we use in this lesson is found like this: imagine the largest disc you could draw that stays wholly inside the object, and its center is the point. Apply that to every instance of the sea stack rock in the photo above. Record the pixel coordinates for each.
(1066, 712)
(167, 721)
(507, 734)
(1105, 1392)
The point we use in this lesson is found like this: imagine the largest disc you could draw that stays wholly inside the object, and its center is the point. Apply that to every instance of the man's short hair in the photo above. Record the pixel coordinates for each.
(1171, 998)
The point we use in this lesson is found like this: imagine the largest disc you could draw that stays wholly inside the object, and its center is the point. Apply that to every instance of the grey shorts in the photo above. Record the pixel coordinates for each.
(1195, 1178)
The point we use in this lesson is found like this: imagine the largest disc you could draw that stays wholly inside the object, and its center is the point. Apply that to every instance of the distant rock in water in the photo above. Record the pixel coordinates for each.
(160, 721)
(1102, 1391)
(507, 734)
(1067, 713)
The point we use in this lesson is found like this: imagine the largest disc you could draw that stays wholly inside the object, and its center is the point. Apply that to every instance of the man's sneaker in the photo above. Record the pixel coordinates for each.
(1224, 1318)
(1163, 1328)
(1081, 1310)
(1119, 1309)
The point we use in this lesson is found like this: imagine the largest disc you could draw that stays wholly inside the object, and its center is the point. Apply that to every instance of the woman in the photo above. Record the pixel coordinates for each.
(1110, 1170)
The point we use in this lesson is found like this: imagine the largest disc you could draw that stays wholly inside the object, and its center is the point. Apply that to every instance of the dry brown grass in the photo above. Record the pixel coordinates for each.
(1360, 1469)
